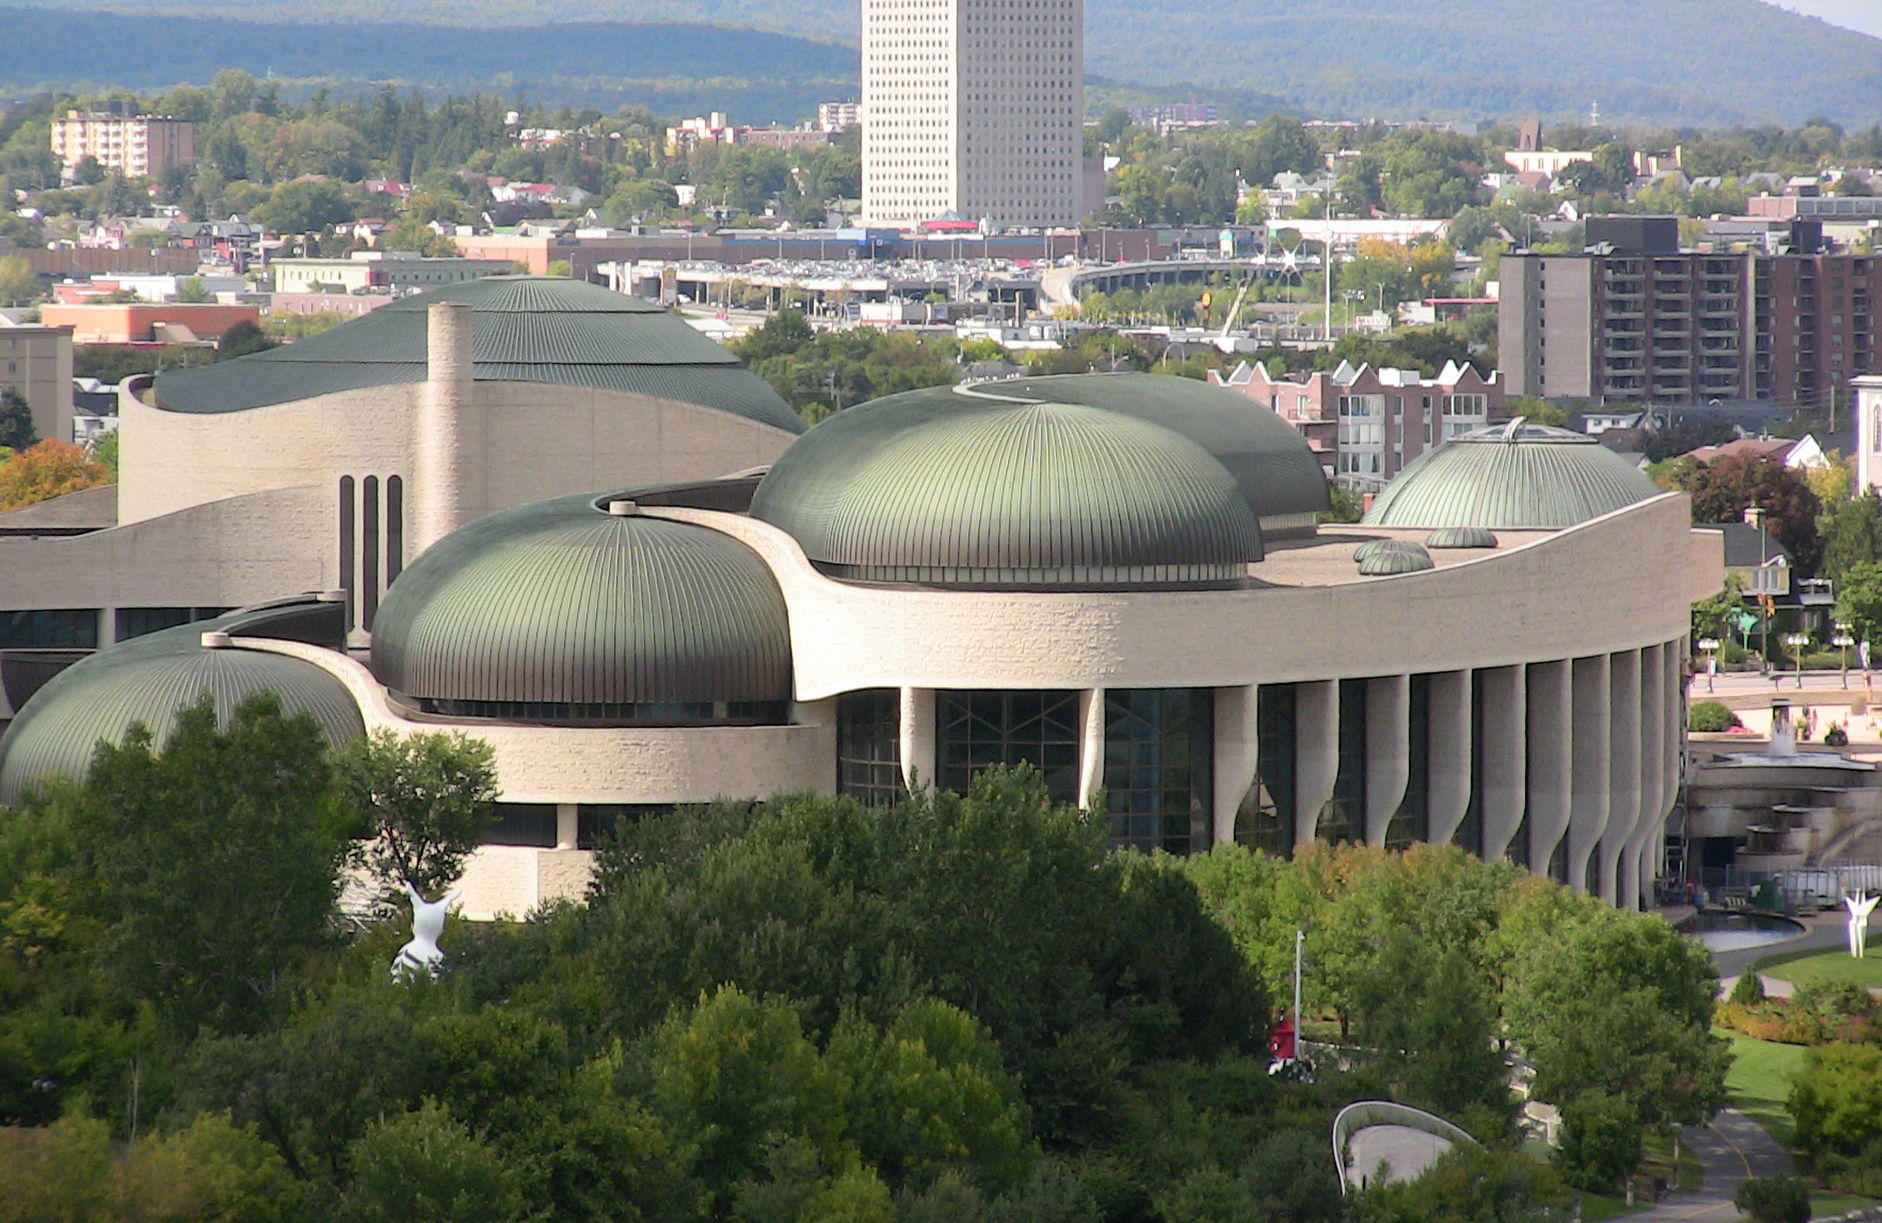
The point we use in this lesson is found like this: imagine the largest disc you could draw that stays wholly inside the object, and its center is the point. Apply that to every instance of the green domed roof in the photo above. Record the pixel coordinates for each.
(998, 487)
(564, 603)
(1388, 561)
(1373, 547)
(147, 679)
(1280, 477)
(547, 329)
(1461, 537)
(1515, 476)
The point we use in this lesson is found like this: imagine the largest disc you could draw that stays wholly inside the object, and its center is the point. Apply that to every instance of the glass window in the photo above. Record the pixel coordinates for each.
(596, 823)
(137, 621)
(979, 730)
(57, 628)
(868, 747)
(1159, 745)
(1343, 817)
(531, 824)
(1469, 834)
(1266, 818)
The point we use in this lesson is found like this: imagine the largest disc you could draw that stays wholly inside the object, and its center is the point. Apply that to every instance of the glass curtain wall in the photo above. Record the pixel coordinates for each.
(979, 730)
(1159, 745)
(1266, 818)
(1412, 821)
(869, 747)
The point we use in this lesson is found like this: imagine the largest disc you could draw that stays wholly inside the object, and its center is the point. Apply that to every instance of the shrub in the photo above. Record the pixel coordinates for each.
(1835, 999)
(1774, 1199)
(1711, 717)
(1748, 990)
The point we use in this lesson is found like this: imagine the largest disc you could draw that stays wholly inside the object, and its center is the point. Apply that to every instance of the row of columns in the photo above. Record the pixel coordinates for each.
(1581, 755)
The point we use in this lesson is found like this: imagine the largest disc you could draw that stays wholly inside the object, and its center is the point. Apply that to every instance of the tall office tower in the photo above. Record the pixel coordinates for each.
(974, 109)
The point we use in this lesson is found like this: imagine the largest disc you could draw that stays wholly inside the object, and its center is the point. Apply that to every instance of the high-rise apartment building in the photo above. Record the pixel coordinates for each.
(1636, 318)
(975, 110)
(137, 146)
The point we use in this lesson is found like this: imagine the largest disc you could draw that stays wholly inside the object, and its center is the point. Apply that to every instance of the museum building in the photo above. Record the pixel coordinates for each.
(1115, 578)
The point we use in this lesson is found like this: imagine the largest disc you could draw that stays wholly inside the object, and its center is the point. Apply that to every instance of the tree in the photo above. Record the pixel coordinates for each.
(1722, 490)
(104, 452)
(1858, 597)
(45, 470)
(1852, 535)
(18, 285)
(191, 289)
(211, 864)
(423, 801)
(1601, 1141)
(243, 337)
(16, 421)
(1717, 616)
(1774, 1199)
(1469, 1184)
(306, 206)
(426, 1164)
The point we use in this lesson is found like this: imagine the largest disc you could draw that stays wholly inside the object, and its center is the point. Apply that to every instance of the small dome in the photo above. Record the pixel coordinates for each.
(147, 680)
(1516, 476)
(1388, 561)
(1372, 547)
(1461, 537)
(586, 613)
(984, 487)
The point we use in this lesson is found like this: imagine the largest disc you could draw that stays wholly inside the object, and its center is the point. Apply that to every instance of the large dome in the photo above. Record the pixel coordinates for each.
(546, 329)
(562, 610)
(1279, 475)
(1515, 476)
(1001, 486)
(147, 679)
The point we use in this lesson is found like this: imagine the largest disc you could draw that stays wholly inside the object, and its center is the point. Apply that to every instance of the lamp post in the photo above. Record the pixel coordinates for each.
(1797, 642)
(1842, 641)
(1710, 645)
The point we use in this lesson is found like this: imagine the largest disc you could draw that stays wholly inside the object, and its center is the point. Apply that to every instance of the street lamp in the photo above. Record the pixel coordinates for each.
(1797, 642)
(1842, 641)
(1711, 647)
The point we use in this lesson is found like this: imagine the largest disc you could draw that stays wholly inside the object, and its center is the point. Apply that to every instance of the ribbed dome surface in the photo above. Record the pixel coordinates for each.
(1461, 537)
(562, 602)
(1516, 476)
(147, 680)
(1280, 477)
(950, 485)
(1372, 547)
(546, 329)
(1388, 561)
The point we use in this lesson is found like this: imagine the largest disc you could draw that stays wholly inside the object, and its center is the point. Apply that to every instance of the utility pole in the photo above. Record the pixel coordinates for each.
(1326, 269)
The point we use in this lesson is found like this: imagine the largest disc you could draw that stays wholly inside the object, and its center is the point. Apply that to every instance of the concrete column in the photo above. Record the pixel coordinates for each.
(1623, 768)
(917, 747)
(1505, 768)
(1316, 752)
(1652, 774)
(567, 825)
(443, 445)
(1237, 755)
(1388, 750)
(1448, 755)
(1588, 808)
(1550, 708)
(107, 626)
(1673, 672)
(1090, 745)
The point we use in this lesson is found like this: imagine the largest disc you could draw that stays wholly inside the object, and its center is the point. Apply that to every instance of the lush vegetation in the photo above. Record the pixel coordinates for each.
(964, 1008)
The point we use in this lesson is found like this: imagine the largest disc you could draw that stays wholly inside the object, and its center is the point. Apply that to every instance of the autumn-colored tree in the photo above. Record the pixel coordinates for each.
(45, 470)
(1723, 489)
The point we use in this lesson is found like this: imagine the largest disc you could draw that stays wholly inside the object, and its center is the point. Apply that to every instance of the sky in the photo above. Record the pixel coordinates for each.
(1864, 15)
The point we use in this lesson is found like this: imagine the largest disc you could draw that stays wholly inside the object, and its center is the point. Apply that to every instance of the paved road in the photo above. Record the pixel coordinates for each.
(1731, 1149)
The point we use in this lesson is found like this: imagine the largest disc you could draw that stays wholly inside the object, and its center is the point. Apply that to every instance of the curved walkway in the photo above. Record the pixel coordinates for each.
(1731, 1149)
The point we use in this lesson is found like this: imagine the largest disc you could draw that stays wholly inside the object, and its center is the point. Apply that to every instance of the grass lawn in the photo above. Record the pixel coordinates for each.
(1824, 966)
(1759, 1080)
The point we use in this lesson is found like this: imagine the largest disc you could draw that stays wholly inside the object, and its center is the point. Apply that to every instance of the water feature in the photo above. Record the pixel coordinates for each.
(1718, 930)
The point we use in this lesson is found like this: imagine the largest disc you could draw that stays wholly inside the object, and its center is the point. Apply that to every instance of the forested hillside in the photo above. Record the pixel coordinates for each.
(673, 68)
(1701, 62)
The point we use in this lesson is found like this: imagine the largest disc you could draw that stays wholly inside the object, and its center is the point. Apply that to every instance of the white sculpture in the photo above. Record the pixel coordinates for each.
(421, 955)
(1860, 906)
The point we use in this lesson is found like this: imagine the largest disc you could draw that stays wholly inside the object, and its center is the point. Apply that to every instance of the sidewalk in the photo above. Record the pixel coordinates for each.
(1731, 1149)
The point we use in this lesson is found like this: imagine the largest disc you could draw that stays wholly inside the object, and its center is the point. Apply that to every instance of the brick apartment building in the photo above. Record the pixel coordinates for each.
(1364, 424)
(1636, 318)
(137, 146)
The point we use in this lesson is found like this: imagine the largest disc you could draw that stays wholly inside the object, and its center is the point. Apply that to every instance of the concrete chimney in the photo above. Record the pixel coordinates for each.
(443, 435)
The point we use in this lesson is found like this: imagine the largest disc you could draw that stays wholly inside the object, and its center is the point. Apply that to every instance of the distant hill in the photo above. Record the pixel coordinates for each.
(1702, 62)
(673, 67)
